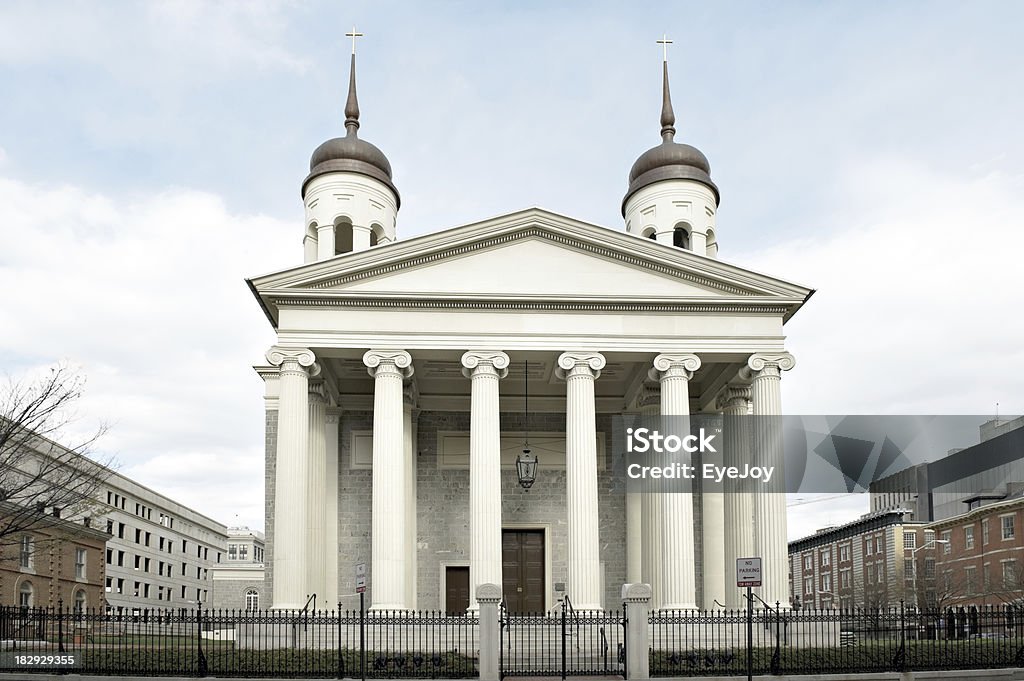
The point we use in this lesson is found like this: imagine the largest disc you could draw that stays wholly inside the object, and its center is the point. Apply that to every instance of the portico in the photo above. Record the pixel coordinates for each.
(590, 356)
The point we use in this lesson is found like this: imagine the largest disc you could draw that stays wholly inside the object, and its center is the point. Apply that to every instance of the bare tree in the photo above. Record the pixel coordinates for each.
(43, 483)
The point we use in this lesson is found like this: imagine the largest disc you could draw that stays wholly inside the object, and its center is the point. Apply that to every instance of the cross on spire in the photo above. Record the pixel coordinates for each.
(664, 42)
(353, 35)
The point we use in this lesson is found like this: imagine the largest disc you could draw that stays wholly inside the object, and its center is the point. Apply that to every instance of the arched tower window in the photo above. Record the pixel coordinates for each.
(377, 235)
(650, 233)
(681, 236)
(342, 236)
(252, 599)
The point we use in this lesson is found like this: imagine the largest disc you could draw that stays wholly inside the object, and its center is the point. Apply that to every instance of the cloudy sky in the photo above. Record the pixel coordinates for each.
(151, 155)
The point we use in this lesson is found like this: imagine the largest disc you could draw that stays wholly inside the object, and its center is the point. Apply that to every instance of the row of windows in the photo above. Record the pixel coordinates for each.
(241, 552)
(26, 557)
(27, 597)
(145, 564)
(145, 538)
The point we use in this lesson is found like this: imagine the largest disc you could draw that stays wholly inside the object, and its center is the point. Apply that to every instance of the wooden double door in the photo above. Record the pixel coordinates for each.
(522, 570)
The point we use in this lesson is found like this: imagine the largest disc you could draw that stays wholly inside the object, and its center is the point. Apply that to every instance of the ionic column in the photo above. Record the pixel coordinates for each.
(650, 504)
(292, 474)
(765, 372)
(409, 415)
(325, 242)
(316, 493)
(389, 369)
(738, 511)
(485, 368)
(580, 370)
(333, 421)
(674, 372)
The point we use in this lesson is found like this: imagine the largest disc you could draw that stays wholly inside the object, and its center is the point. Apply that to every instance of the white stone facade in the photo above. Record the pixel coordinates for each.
(417, 351)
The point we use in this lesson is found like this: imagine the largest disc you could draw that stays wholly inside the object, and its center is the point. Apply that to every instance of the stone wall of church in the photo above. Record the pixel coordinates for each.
(443, 507)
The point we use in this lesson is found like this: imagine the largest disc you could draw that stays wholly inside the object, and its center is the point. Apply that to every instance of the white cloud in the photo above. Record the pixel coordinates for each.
(147, 295)
(918, 278)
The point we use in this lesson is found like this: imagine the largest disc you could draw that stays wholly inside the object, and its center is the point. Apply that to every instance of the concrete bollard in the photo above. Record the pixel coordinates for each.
(488, 596)
(637, 598)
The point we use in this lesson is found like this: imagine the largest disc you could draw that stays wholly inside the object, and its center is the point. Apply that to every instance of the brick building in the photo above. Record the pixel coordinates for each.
(60, 561)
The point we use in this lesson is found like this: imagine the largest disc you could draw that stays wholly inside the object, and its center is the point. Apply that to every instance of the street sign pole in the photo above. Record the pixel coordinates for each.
(748, 574)
(750, 635)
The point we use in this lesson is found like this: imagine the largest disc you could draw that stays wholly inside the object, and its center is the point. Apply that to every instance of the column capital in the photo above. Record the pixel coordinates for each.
(579, 363)
(316, 391)
(477, 362)
(303, 358)
(411, 394)
(669, 365)
(768, 363)
(387, 361)
(734, 396)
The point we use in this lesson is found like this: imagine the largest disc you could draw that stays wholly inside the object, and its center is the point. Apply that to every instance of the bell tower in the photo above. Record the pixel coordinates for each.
(671, 197)
(350, 202)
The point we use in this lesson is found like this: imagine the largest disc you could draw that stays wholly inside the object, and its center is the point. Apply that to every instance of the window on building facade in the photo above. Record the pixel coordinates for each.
(808, 586)
(232, 551)
(984, 531)
(844, 578)
(252, 599)
(1007, 525)
(25, 554)
(826, 582)
(867, 547)
(908, 568)
(929, 568)
(844, 553)
(947, 545)
(910, 540)
(969, 537)
(80, 602)
(971, 580)
(26, 594)
(80, 556)
(243, 552)
(120, 585)
(1010, 574)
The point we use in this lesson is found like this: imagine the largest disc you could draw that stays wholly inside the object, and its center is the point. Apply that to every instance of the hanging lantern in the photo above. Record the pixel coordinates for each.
(526, 467)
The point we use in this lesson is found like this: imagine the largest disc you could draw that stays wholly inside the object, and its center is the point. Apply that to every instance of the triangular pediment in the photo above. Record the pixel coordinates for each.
(532, 255)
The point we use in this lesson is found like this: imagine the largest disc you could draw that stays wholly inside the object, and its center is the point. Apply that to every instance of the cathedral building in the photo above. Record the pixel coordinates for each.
(408, 374)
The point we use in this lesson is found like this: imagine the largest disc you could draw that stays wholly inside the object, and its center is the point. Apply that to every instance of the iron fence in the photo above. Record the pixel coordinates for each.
(564, 642)
(714, 643)
(229, 643)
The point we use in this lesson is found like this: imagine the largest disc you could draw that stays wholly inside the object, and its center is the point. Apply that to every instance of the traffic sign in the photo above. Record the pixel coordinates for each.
(748, 571)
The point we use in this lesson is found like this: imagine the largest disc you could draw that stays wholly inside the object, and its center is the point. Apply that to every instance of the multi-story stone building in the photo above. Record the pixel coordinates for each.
(160, 552)
(237, 582)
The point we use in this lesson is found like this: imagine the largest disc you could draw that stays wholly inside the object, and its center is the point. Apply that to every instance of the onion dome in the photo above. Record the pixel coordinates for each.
(669, 160)
(349, 154)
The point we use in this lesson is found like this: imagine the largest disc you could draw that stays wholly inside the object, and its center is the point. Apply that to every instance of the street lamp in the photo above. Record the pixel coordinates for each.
(913, 562)
(526, 463)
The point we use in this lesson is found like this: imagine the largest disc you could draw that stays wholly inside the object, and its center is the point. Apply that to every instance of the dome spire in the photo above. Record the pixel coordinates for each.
(668, 116)
(352, 103)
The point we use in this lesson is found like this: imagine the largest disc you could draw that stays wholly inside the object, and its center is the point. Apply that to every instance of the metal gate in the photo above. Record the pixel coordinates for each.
(563, 643)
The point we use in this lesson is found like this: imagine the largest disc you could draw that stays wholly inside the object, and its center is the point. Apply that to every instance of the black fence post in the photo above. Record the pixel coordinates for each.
(201, 665)
(564, 606)
(750, 635)
(341, 656)
(60, 625)
(362, 635)
(777, 655)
